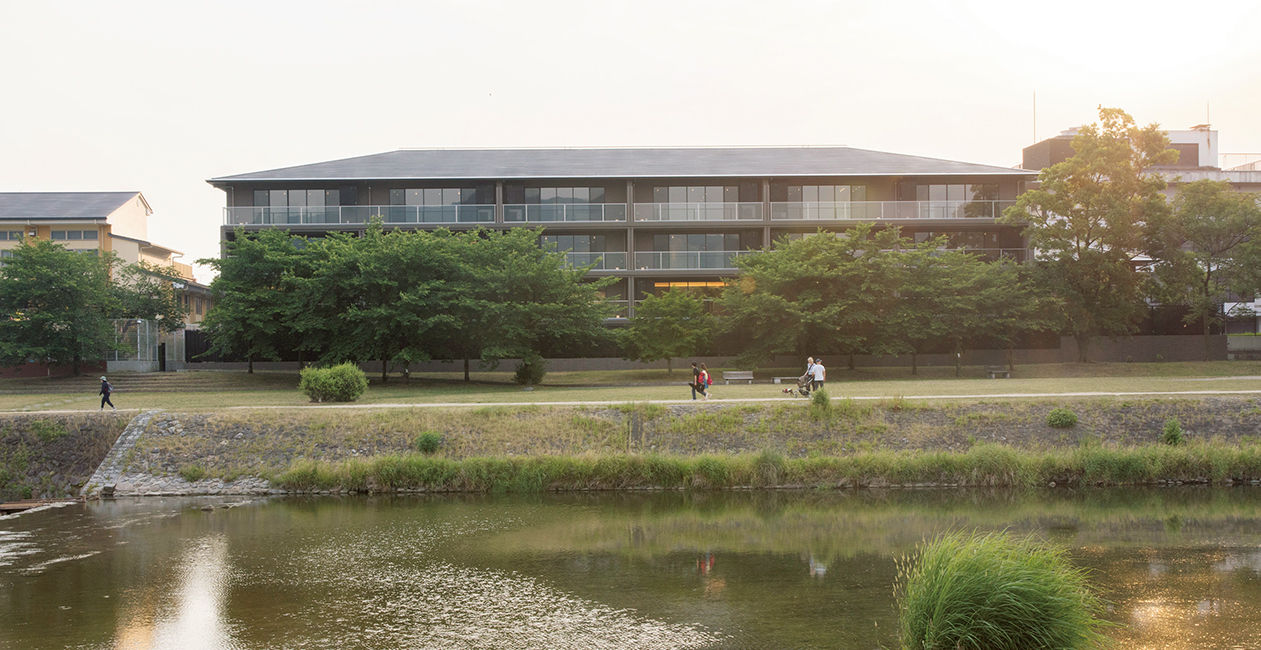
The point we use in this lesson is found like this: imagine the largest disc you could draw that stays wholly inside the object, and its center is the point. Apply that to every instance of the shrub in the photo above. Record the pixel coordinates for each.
(1061, 419)
(343, 383)
(530, 371)
(48, 431)
(192, 473)
(998, 592)
(428, 442)
(1172, 435)
(820, 405)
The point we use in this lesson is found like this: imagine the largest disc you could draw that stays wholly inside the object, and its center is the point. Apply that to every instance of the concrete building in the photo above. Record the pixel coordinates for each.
(653, 218)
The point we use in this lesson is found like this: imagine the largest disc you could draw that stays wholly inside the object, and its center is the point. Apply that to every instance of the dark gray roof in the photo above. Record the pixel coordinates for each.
(622, 163)
(61, 205)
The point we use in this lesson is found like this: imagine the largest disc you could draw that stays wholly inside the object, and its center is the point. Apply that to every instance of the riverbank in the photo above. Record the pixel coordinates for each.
(892, 442)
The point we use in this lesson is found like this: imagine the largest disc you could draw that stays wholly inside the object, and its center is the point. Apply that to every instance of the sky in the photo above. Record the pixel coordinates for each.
(160, 96)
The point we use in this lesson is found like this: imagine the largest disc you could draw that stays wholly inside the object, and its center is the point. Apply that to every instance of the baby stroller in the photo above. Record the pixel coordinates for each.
(804, 383)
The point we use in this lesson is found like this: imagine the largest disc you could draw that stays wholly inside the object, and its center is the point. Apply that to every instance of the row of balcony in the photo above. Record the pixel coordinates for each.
(717, 260)
(616, 212)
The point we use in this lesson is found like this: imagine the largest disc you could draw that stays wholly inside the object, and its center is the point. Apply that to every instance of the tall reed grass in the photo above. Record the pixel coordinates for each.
(982, 465)
(995, 592)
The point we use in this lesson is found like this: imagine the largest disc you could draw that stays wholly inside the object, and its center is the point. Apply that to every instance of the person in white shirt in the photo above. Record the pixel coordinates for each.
(820, 374)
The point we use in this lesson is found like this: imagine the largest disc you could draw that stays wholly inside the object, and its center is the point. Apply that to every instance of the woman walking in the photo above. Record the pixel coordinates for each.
(704, 382)
(106, 389)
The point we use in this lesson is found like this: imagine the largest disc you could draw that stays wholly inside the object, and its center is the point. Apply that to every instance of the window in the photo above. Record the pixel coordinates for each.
(576, 243)
(296, 198)
(74, 235)
(10, 235)
(484, 195)
(957, 192)
(785, 193)
(516, 194)
(696, 194)
(696, 242)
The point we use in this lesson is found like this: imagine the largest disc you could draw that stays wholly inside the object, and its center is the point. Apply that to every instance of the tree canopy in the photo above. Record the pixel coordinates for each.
(56, 305)
(1092, 218)
(668, 326)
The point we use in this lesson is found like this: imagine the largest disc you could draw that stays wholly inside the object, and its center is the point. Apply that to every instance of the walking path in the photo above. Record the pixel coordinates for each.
(742, 400)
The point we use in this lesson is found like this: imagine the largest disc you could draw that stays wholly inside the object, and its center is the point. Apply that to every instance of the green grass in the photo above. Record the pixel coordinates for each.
(881, 383)
(996, 592)
(981, 465)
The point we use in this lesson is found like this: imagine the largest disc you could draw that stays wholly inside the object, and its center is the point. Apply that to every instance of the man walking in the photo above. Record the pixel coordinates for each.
(696, 379)
(820, 373)
(106, 389)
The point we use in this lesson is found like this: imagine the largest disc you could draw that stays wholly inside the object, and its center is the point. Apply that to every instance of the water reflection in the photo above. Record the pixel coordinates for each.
(1181, 569)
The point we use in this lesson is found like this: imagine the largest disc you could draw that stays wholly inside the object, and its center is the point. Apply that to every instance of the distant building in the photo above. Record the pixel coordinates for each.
(91, 222)
(653, 218)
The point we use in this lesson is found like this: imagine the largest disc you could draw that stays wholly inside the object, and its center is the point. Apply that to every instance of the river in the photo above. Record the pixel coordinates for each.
(1180, 567)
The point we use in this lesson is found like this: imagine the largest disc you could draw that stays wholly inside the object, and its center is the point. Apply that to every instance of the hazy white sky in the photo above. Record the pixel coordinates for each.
(159, 96)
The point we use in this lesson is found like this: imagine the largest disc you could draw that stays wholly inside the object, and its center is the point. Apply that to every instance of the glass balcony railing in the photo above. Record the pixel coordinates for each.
(621, 308)
(603, 261)
(553, 212)
(687, 259)
(878, 210)
(359, 214)
(698, 211)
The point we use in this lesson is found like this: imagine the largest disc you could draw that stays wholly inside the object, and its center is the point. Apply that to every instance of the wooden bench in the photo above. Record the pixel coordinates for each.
(791, 380)
(738, 375)
(995, 372)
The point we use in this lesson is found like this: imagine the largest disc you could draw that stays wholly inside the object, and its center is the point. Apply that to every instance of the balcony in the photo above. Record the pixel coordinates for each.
(887, 210)
(359, 214)
(672, 260)
(698, 212)
(562, 212)
(603, 261)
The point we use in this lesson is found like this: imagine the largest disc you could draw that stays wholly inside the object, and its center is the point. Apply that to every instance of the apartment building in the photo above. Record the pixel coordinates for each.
(92, 222)
(653, 218)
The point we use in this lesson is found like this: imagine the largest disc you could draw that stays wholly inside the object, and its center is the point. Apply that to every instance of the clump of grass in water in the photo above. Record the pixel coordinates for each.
(997, 592)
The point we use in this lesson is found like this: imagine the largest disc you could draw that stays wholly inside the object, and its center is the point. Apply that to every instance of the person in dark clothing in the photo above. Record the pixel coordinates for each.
(696, 380)
(106, 389)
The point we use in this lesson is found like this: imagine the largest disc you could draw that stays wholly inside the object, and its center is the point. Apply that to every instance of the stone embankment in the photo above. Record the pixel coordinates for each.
(235, 453)
(51, 456)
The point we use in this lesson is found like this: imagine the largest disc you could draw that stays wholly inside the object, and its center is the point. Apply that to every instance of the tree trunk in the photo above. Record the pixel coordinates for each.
(669, 366)
(466, 376)
(407, 371)
(1083, 347)
(1011, 358)
(851, 360)
(958, 358)
(385, 366)
(74, 364)
(250, 359)
(914, 363)
(1206, 323)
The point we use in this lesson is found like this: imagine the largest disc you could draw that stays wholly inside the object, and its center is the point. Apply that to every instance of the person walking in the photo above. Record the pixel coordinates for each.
(705, 381)
(820, 373)
(106, 390)
(696, 380)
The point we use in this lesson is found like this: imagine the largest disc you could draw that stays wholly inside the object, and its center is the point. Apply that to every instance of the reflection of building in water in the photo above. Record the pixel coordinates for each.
(817, 568)
(1231, 563)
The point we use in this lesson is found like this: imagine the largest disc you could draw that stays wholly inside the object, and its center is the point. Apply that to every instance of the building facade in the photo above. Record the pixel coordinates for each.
(92, 222)
(652, 218)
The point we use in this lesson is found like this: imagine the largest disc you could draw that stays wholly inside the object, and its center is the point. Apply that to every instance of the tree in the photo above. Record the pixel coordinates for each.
(1209, 250)
(671, 325)
(254, 301)
(55, 306)
(1092, 217)
(381, 296)
(817, 295)
(149, 292)
(939, 298)
(513, 298)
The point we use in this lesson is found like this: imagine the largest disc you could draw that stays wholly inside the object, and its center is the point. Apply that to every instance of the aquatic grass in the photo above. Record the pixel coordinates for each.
(997, 592)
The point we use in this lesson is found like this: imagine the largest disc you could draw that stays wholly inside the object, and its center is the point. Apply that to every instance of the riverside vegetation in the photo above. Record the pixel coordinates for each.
(647, 446)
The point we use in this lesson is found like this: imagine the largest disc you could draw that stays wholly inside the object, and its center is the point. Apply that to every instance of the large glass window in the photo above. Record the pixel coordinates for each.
(957, 192)
(575, 243)
(696, 242)
(515, 194)
(74, 235)
(10, 235)
(786, 193)
(696, 194)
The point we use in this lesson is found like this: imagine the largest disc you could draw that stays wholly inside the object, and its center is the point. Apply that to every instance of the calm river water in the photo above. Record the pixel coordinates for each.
(1181, 568)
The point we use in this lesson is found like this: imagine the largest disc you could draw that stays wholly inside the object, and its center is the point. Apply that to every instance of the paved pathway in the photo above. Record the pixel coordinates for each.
(112, 467)
(1162, 393)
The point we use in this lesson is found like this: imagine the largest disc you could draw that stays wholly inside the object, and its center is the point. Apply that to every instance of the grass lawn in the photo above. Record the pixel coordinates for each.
(651, 385)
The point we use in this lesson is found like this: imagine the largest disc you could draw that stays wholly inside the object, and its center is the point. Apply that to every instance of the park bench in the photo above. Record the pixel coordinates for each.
(995, 372)
(738, 375)
(791, 380)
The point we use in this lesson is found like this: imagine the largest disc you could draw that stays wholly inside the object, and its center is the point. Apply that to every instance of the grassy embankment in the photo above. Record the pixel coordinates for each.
(279, 389)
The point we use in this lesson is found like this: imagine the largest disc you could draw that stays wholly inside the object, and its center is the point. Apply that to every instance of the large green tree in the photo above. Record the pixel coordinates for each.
(57, 306)
(1210, 250)
(1092, 217)
(822, 294)
(255, 305)
(671, 325)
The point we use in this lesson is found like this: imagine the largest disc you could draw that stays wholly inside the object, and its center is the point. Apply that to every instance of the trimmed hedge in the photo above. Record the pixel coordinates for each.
(343, 383)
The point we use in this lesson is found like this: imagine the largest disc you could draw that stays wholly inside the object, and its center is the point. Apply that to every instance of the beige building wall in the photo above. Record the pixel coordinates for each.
(132, 219)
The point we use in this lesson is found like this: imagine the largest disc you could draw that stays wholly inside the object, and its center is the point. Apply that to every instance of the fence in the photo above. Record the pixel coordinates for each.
(142, 346)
